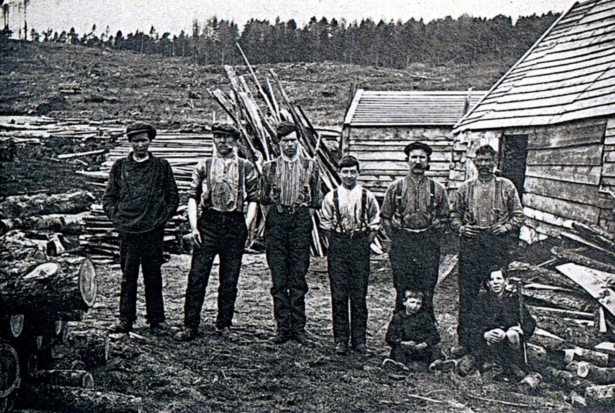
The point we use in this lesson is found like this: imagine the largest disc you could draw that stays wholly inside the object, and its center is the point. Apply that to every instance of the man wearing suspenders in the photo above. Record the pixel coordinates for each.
(486, 213)
(291, 194)
(414, 209)
(350, 218)
(221, 187)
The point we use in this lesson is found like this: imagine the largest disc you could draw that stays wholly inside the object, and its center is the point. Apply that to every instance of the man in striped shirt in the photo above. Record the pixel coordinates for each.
(414, 210)
(291, 191)
(350, 218)
(486, 213)
(221, 188)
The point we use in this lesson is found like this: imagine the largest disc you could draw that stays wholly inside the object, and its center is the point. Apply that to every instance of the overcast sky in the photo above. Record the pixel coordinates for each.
(175, 15)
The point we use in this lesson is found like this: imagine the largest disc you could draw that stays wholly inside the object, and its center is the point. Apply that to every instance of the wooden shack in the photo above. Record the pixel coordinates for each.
(552, 116)
(379, 124)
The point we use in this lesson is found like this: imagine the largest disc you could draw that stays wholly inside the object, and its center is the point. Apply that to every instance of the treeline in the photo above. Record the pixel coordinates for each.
(391, 44)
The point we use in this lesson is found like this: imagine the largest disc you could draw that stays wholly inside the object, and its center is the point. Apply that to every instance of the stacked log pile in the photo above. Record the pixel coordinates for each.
(43, 363)
(572, 296)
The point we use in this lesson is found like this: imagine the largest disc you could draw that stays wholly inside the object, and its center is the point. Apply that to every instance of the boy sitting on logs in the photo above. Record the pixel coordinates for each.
(503, 324)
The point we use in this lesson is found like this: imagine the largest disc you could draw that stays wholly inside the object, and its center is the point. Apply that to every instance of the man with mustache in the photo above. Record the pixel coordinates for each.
(486, 213)
(223, 187)
(413, 212)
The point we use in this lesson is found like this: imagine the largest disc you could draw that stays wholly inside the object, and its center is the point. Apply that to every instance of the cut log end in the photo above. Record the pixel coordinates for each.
(16, 323)
(9, 370)
(87, 282)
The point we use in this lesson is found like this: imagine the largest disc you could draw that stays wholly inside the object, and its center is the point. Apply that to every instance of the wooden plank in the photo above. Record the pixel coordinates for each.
(581, 174)
(581, 193)
(593, 281)
(587, 155)
(547, 217)
(563, 208)
(544, 228)
(609, 156)
(608, 170)
(398, 156)
(569, 135)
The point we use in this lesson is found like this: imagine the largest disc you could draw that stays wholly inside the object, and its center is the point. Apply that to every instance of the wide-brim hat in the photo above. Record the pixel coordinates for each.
(418, 145)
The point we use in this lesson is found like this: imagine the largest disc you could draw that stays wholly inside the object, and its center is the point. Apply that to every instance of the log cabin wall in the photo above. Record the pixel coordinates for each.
(565, 166)
(381, 153)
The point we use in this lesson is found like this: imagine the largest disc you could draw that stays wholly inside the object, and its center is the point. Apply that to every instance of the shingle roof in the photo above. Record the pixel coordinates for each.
(568, 74)
(413, 108)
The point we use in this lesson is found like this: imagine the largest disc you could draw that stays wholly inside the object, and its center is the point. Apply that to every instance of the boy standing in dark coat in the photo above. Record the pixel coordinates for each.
(141, 196)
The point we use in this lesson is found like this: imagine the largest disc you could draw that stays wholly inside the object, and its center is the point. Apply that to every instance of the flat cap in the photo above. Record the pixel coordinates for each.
(219, 128)
(418, 145)
(140, 127)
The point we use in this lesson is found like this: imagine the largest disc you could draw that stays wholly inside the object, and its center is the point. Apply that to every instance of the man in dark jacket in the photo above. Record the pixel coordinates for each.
(141, 196)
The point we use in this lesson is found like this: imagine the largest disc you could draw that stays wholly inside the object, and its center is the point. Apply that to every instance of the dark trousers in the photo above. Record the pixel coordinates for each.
(476, 257)
(415, 260)
(348, 260)
(427, 355)
(144, 251)
(508, 357)
(223, 234)
(287, 243)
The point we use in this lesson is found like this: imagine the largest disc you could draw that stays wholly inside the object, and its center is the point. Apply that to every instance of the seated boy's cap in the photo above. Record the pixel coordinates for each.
(140, 127)
(225, 129)
(418, 145)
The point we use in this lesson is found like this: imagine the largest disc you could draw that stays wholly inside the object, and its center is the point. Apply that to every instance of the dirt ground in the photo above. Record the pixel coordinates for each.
(211, 374)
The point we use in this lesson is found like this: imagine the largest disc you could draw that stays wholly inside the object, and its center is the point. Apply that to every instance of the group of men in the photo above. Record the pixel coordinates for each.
(226, 189)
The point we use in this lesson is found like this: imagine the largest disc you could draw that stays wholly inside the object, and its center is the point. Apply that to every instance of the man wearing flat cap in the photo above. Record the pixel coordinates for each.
(141, 196)
(221, 207)
(414, 210)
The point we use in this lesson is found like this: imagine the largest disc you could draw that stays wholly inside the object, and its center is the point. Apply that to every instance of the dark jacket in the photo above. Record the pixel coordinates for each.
(140, 197)
(418, 327)
(501, 312)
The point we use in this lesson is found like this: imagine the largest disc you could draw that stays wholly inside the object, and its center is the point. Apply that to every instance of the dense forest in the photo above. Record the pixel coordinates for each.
(385, 44)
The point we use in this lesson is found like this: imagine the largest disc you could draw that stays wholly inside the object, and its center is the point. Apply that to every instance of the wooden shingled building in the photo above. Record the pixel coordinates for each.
(553, 117)
(379, 124)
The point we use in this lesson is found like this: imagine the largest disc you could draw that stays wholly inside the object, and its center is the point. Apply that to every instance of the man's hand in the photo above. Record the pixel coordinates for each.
(469, 231)
(494, 336)
(196, 237)
(421, 346)
(498, 229)
(409, 345)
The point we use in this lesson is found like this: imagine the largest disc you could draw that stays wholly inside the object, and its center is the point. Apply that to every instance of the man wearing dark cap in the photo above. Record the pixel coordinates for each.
(291, 190)
(221, 188)
(141, 196)
(414, 209)
(486, 212)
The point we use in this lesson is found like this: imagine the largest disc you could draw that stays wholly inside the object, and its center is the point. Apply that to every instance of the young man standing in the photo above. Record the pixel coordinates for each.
(486, 213)
(350, 218)
(221, 187)
(413, 212)
(291, 190)
(141, 196)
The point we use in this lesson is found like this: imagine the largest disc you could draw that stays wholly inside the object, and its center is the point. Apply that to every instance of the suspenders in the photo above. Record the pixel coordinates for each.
(363, 207)
(399, 195)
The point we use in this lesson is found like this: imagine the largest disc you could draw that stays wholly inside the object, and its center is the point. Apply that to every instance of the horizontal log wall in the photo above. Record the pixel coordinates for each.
(607, 183)
(381, 153)
(566, 168)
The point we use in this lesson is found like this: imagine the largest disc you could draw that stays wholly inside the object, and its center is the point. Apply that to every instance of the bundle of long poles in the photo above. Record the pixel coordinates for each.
(257, 110)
